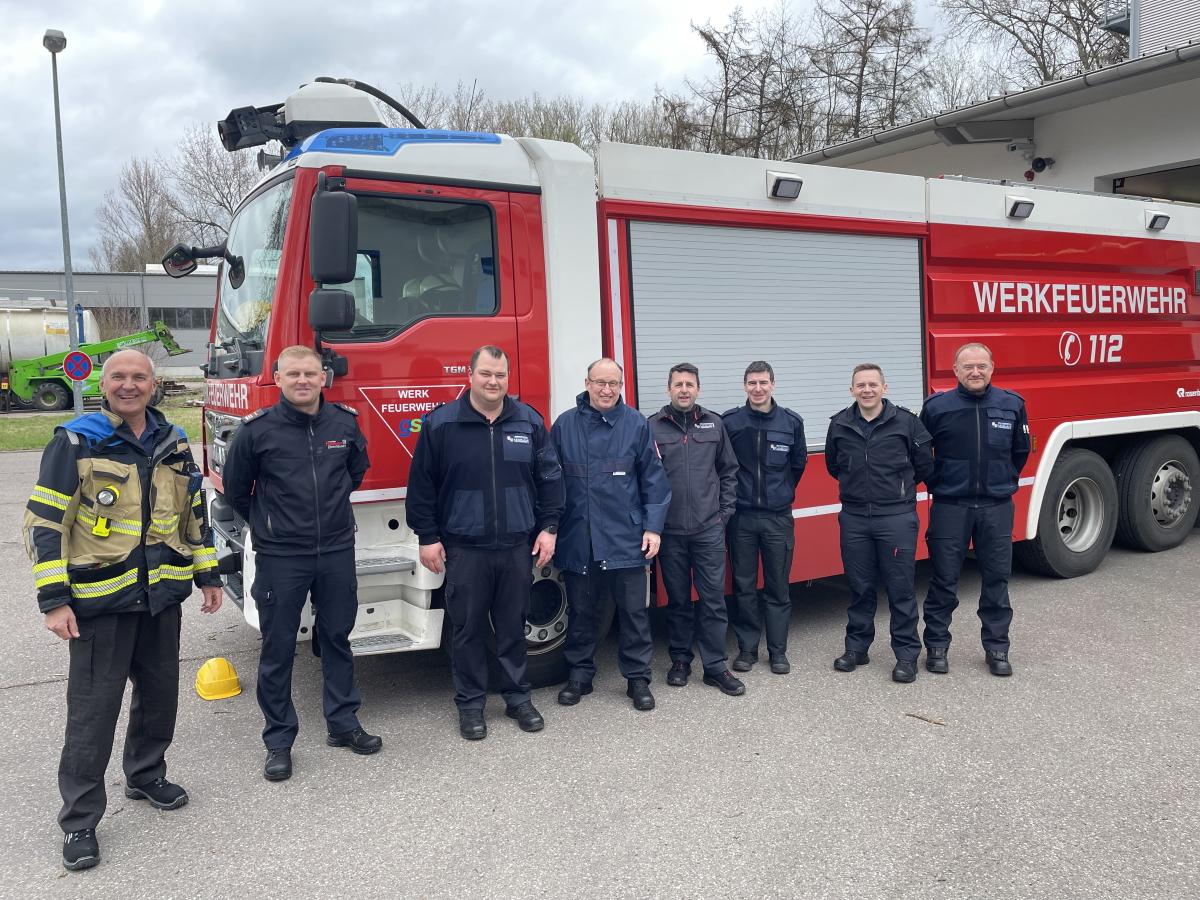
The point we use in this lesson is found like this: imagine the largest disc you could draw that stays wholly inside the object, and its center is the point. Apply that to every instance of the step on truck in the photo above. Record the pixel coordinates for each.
(398, 251)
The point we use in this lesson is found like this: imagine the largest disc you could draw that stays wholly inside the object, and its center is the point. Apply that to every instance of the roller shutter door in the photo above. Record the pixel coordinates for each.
(813, 305)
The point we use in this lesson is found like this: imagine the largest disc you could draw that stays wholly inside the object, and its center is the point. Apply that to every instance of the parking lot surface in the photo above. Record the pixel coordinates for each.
(1077, 777)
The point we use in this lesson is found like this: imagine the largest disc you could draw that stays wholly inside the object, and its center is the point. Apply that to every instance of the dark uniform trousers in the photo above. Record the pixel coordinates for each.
(696, 559)
(281, 585)
(775, 539)
(874, 549)
(483, 586)
(951, 529)
(111, 649)
(585, 594)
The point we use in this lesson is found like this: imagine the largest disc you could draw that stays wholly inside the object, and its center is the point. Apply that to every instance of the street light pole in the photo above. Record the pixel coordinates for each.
(56, 42)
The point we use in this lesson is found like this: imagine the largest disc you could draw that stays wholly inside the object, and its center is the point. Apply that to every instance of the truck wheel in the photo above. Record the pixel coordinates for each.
(49, 396)
(1156, 483)
(1078, 518)
(546, 631)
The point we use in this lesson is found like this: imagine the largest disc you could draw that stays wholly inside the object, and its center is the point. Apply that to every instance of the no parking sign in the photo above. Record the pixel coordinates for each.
(77, 365)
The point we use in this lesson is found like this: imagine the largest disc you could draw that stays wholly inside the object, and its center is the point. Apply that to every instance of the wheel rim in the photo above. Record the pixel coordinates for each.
(1170, 494)
(46, 399)
(1080, 514)
(546, 625)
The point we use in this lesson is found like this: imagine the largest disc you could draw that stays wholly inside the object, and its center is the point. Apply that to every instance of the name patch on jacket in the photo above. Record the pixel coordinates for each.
(335, 445)
(517, 438)
(783, 448)
(1007, 426)
(706, 425)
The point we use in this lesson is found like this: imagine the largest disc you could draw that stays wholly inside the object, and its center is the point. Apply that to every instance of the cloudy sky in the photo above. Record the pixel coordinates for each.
(136, 72)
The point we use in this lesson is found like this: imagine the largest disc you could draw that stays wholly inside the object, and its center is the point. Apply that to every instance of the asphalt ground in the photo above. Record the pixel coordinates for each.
(1077, 777)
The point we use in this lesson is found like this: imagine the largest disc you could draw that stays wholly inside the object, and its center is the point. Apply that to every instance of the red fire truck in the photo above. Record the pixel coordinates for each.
(398, 251)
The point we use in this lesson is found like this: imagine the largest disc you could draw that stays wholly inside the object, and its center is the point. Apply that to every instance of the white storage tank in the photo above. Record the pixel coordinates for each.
(30, 333)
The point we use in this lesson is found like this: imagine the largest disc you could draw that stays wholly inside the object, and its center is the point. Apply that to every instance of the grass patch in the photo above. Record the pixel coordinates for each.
(22, 431)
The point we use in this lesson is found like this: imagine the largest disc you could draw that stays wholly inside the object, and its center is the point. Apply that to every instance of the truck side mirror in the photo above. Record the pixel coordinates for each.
(179, 261)
(330, 309)
(333, 238)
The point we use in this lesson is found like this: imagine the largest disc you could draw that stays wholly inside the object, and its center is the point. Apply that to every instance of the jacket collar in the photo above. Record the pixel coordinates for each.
(696, 414)
(468, 413)
(849, 416)
(754, 413)
(975, 398)
(294, 415)
(584, 404)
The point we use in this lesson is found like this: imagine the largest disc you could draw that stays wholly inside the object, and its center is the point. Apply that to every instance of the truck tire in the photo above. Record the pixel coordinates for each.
(1157, 481)
(50, 395)
(1078, 518)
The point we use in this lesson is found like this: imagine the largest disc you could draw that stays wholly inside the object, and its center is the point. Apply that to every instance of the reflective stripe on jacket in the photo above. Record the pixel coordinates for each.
(112, 529)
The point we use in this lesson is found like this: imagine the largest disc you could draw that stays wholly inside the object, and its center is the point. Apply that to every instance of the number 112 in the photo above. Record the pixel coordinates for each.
(1110, 345)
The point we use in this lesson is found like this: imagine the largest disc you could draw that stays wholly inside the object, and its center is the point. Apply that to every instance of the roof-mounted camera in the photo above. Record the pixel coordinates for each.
(326, 103)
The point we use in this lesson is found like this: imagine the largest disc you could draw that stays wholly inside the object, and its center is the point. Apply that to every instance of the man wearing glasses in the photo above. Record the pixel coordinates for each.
(617, 501)
(980, 444)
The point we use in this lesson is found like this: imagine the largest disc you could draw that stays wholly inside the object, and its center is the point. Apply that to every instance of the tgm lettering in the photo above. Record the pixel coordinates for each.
(226, 394)
(1079, 299)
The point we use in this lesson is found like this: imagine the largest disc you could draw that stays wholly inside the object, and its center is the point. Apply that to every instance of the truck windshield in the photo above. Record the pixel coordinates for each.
(416, 259)
(251, 266)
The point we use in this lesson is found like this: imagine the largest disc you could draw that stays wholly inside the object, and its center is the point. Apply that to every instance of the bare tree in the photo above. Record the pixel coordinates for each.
(959, 75)
(137, 220)
(209, 182)
(873, 56)
(903, 71)
(116, 316)
(1042, 40)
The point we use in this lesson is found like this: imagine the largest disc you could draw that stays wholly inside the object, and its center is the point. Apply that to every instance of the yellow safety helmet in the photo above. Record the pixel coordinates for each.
(217, 680)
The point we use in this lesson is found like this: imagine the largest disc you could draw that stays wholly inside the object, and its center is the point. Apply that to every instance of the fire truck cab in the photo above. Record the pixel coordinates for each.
(452, 240)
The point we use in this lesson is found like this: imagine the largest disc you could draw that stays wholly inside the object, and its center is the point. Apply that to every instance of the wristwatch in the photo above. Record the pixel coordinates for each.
(551, 529)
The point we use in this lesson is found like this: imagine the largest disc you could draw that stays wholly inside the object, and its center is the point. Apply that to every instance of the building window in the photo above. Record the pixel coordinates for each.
(183, 317)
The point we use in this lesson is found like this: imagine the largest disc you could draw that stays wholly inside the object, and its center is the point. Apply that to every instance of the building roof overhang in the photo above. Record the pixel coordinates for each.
(1010, 116)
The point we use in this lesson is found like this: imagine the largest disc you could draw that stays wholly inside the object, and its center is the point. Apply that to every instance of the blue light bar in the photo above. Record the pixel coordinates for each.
(384, 141)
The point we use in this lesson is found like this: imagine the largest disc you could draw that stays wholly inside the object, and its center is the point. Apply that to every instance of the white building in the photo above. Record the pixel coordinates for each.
(1131, 128)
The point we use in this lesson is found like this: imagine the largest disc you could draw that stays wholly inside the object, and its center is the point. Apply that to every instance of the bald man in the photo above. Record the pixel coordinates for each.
(117, 534)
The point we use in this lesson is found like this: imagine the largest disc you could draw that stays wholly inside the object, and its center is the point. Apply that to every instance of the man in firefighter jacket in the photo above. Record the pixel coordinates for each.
(484, 481)
(702, 471)
(980, 443)
(617, 501)
(769, 442)
(289, 472)
(878, 452)
(117, 534)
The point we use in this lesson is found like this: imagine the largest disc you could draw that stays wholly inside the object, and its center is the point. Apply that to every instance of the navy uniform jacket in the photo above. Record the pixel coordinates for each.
(980, 445)
(771, 456)
(877, 476)
(488, 485)
(290, 475)
(616, 486)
